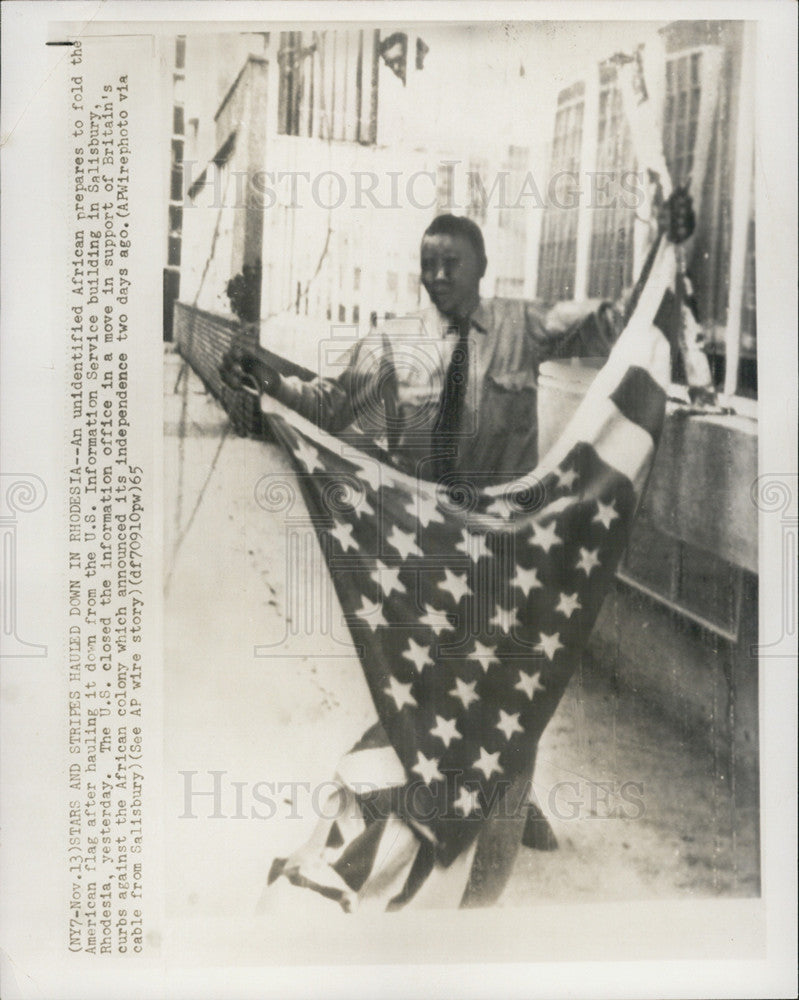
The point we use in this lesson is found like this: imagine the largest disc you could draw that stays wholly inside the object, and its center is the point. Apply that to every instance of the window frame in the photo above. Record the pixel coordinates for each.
(719, 333)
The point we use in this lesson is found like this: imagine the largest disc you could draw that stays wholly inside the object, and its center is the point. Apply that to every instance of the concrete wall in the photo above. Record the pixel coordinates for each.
(698, 524)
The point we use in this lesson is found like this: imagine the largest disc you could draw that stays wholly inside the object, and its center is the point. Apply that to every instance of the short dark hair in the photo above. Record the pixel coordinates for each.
(459, 225)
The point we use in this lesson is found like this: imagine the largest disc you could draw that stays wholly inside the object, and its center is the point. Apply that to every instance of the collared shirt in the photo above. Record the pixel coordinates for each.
(391, 382)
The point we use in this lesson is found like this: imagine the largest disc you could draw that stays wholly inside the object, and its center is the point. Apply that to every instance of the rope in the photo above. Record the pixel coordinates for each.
(184, 406)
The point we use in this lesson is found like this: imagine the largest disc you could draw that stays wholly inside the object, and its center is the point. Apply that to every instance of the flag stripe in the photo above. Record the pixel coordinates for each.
(640, 345)
(420, 870)
(396, 853)
(641, 400)
(620, 443)
(378, 767)
(446, 884)
(375, 736)
(355, 862)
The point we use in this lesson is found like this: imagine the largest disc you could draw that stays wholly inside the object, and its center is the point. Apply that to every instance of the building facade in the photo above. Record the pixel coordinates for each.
(295, 166)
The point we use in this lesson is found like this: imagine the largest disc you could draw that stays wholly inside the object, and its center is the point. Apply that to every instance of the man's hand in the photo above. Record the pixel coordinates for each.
(676, 218)
(242, 368)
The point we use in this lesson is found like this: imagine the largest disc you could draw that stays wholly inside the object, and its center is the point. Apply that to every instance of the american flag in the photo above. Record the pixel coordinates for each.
(469, 607)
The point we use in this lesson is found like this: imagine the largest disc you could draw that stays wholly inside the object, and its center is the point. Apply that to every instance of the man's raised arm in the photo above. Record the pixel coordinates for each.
(590, 328)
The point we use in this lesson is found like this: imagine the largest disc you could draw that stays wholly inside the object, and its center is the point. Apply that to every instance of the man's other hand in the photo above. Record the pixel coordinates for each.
(242, 368)
(676, 217)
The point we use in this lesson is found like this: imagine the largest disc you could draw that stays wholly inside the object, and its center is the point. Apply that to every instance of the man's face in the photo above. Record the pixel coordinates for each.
(451, 272)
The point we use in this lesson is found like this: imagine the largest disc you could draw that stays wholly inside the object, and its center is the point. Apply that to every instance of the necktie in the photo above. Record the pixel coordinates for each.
(447, 429)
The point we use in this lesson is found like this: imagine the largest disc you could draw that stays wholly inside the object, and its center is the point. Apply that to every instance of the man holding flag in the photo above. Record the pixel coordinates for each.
(469, 573)
(470, 578)
(454, 389)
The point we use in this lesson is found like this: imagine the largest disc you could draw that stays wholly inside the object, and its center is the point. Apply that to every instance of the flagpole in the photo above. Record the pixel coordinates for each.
(741, 207)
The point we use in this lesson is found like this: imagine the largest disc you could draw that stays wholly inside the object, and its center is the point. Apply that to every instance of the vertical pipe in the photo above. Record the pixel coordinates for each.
(588, 154)
(741, 207)
(358, 87)
(375, 82)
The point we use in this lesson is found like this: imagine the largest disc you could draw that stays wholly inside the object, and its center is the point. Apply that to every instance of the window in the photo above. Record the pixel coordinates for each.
(290, 60)
(177, 120)
(180, 52)
(511, 237)
(356, 314)
(342, 314)
(174, 250)
(175, 220)
(696, 56)
(586, 247)
(681, 114)
(558, 252)
(516, 167)
(328, 84)
(445, 187)
(612, 215)
(478, 195)
(356, 279)
(176, 184)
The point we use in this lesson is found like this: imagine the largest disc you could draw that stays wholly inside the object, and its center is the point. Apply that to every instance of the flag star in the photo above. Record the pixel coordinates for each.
(308, 456)
(343, 535)
(465, 692)
(426, 768)
(446, 730)
(456, 585)
(505, 619)
(418, 655)
(485, 655)
(370, 473)
(550, 644)
(367, 612)
(387, 578)
(566, 477)
(488, 763)
(424, 508)
(467, 801)
(473, 545)
(509, 723)
(606, 513)
(401, 693)
(362, 508)
(567, 604)
(588, 560)
(526, 580)
(435, 619)
(529, 683)
(501, 507)
(545, 538)
(404, 543)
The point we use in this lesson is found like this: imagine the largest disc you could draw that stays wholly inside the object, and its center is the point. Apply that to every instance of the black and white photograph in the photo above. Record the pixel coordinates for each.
(414, 405)
(427, 243)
